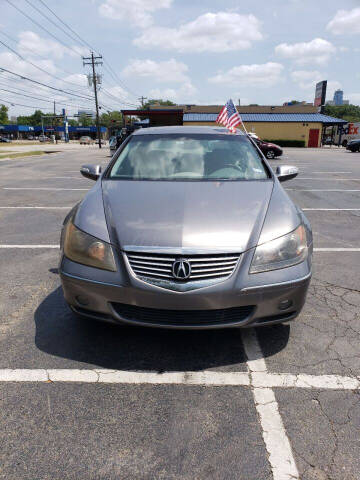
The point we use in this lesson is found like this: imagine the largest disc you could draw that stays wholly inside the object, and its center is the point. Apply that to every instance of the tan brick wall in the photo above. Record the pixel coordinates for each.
(276, 130)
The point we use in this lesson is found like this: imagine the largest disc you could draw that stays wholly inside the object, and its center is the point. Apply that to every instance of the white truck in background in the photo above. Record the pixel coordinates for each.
(351, 131)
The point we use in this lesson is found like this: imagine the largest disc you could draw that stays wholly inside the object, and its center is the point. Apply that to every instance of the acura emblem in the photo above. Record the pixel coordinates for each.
(181, 269)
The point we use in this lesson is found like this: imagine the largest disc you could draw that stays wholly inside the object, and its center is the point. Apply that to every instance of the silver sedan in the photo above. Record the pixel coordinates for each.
(187, 227)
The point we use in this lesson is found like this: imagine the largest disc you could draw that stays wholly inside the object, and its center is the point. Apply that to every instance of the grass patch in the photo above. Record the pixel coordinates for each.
(5, 144)
(21, 154)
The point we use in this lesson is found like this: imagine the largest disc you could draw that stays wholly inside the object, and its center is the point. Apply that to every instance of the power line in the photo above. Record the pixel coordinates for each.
(44, 85)
(67, 26)
(42, 99)
(40, 56)
(49, 19)
(21, 105)
(107, 66)
(42, 28)
(34, 65)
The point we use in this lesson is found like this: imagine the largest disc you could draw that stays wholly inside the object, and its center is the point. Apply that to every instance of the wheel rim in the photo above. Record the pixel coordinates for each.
(270, 154)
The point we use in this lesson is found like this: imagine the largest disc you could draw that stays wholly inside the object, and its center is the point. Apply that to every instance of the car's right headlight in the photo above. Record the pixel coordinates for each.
(282, 252)
(86, 249)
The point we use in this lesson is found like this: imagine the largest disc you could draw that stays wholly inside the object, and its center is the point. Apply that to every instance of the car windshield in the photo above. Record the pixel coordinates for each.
(189, 157)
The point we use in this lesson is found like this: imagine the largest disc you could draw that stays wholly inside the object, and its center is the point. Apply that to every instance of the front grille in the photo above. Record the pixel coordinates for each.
(182, 317)
(203, 267)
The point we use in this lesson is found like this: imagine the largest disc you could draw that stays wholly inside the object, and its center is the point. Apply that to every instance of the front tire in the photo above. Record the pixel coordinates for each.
(270, 154)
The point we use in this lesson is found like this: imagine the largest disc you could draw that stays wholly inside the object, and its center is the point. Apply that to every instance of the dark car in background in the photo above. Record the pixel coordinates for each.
(353, 145)
(270, 150)
(5, 140)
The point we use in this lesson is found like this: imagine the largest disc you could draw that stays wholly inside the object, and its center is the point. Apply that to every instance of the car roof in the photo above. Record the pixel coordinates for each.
(184, 130)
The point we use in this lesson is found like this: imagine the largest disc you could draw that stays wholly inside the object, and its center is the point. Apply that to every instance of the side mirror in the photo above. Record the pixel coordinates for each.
(91, 171)
(286, 172)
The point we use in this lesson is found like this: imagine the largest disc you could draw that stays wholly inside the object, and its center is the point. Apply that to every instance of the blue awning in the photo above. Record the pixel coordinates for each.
(270, 117)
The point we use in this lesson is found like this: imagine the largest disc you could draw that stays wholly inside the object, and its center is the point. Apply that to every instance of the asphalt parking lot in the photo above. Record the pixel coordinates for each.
(87, 401)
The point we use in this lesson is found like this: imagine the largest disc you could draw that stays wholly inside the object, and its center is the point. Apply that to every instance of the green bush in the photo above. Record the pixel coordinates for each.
(287, 143)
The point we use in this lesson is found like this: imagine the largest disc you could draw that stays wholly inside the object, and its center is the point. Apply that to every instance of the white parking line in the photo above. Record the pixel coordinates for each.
(320, 190)
(45, 188)
(29, 246)
(277, 444)
(257, 377)
(330, 209)
(330, 172)
(36, 208)
(336, 249)
(327, 178)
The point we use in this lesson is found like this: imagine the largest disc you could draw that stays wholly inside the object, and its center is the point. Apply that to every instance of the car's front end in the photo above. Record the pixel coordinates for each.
(186, 254)
(353, 146)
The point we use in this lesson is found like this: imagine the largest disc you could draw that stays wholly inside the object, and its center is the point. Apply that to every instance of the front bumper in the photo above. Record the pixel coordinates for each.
(223, 305)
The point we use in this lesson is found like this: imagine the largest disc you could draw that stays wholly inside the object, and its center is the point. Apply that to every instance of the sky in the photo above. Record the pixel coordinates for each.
(204, 52)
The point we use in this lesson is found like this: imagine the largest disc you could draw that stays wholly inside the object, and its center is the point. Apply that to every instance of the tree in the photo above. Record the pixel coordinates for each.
(4, 114)
(165, 103)
(111, 119)
(34, 120)
(350, 113)
(85, 121)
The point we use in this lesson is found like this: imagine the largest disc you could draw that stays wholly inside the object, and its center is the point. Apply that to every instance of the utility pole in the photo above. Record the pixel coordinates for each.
(142, 98)
(95, 61)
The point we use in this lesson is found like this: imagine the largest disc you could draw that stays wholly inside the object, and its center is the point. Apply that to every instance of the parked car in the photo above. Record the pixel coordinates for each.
(86, 140)
(353, 146)
(5, 140)
(270, 150)
(187, 227)
(112, 145)
(44, 138)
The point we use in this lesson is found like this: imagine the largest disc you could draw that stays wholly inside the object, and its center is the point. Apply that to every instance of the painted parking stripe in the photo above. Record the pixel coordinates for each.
(330, 172)
(330, 209)
(329, 178)
(350, 249)
(36, 208)
(45, 188)
(320, 190)
(277, 444)
(257, 377)
(28, 246)
(119, 376)
(287, 380)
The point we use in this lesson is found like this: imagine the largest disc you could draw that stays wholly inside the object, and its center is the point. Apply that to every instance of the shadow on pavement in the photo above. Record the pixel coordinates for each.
(59, 332)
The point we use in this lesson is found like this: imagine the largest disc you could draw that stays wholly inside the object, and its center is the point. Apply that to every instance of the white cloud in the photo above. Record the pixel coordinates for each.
(264, 75)
(166, 71)
(316, 52)
(332, 85)
(30, 42)
(12, 62)
(306, 79)
(354, 98)
(184, 94)
(345, 22)
(210, 32)
(137, 12)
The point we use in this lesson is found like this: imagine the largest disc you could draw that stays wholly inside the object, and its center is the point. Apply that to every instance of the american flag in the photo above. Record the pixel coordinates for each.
(229, 116)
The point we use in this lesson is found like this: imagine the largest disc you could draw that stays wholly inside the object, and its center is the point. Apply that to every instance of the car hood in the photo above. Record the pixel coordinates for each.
(186, 216)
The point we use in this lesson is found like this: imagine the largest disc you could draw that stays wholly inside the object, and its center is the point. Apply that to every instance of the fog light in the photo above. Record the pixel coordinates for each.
(285, 304)
(81, 300)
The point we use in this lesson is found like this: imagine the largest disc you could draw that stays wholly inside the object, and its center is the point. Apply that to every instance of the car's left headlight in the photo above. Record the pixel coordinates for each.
(86, 249)
(282, 252)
